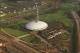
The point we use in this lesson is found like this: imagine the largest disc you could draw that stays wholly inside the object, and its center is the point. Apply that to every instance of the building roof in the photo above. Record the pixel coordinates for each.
(36, 25)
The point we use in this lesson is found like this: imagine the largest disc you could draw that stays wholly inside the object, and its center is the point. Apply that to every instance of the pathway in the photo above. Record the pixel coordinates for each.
(23, 36)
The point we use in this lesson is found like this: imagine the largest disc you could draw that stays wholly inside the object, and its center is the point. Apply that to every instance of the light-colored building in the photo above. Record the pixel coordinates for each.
(36, 25)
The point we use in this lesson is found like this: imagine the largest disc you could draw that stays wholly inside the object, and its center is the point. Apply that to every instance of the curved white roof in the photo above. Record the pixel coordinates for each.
(36, 26)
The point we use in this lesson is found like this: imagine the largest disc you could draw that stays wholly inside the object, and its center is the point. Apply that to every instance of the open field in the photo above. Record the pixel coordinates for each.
(69, 6)
(18, 22)
(14, 32)
(28, 38)
(65, 35)
(60, 16)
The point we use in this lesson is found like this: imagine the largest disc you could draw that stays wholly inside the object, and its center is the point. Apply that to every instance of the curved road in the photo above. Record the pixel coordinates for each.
(77, 20)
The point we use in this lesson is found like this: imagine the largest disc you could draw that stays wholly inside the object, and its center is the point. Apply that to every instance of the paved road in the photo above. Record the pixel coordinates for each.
(12, 49)
(19, 45)
(77, 20)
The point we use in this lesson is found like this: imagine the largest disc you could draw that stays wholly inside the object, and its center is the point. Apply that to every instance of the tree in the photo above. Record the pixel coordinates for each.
(65, 51)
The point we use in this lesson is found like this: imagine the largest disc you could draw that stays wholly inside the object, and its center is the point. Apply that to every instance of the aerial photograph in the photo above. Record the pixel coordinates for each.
(39, 26)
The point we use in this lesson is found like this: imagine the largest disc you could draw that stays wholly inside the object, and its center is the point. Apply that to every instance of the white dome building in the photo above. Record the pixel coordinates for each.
(36, 26)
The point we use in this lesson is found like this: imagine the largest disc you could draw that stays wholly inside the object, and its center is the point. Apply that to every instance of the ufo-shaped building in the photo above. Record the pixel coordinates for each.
(36, 25)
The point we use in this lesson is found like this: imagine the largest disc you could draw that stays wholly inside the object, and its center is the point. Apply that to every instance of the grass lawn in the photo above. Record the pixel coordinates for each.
(65, 36)
(22, 21)
(28, 38)
(18, 22)
(61, 16)
(14, 32)
(65, 6)
(69, 6)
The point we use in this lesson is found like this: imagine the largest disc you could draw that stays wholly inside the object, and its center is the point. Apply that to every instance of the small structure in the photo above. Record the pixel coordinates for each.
(2, 14)
(3, 48)
(14, 11)
(29, 7)
(1, 44)
(5, 7)
(24, 9)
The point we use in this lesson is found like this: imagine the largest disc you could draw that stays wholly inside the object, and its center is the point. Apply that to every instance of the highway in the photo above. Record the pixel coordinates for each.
(18, 46)
(77, 20)
(12, 49)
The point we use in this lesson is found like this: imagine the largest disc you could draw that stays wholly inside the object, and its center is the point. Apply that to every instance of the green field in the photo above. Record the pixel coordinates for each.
(18, 22)
(61, 16)
(28, 38)
(69, 6)
(65, 35)
(14, 32)
(65, 6)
